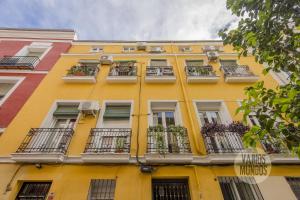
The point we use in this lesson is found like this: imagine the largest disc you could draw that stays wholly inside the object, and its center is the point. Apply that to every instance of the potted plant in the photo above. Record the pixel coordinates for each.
(157, 132)
(120, 144)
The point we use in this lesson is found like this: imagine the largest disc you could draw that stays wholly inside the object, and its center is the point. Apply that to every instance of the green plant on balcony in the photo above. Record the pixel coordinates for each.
(157, 132)
(120, 144)
(82, 70)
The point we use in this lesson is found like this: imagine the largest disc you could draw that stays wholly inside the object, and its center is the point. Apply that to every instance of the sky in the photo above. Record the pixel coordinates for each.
(122, 19)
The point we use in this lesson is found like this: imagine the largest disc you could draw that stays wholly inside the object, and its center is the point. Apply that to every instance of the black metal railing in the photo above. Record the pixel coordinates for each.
(159, 71)
(200, 71)
(274, 146)
(223, 142)
(46, 140)
(168, 140)
(18, 62)
(122, 71)
(108, 140)
(237, 70)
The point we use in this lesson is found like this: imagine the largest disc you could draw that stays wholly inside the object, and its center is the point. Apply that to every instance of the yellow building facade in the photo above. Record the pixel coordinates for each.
(122, 120)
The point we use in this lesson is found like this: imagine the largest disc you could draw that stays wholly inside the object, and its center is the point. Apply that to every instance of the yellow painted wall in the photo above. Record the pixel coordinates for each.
(72, 181)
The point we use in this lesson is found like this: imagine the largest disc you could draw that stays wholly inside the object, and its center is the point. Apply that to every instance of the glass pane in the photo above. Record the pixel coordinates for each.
(170, 119)
(194, 63)
(158, 63)
(215, 117)
(157, 118)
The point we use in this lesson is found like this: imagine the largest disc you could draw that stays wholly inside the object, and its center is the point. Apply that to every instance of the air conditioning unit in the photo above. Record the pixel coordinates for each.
(156, 49)
(141, 46)
(89, 107)
(212, 55)
(106, 60)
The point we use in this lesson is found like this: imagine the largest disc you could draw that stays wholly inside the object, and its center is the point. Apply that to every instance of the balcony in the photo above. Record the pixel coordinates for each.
(238, 74)
(278, 151)
(44, 145)
(168, 145)
(81, 74)
(108, 145)
(201, 74)
(19, 62)
(160, 74)
(122, 74)
(223, 142)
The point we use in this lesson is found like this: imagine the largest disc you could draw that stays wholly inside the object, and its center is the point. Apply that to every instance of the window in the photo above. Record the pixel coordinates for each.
(164, 114)
(102, 189)
(7, 86)
(294, 183)
(34, 190)
(128, 48)
(185, 48)
(194, 63)
(171, 189)
(212, 112)
(233, 188)
(156, 49)
(35, 49)
(96, 49)
(158, 62)
(116, 115)
(228, 63)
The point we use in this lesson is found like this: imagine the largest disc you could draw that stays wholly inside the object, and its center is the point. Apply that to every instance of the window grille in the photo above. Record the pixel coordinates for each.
(170, 189)
(102, 189)
(34, 190)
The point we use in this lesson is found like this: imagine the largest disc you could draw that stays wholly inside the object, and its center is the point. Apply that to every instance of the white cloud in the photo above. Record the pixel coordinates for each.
(122, 19)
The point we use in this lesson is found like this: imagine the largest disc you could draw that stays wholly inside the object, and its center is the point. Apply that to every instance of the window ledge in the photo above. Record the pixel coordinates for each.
(160, 79)
(175, 158)
(79, 79)
(203, 79)
(121, 79)
(105, 157)
(38, 157)
(241, 79)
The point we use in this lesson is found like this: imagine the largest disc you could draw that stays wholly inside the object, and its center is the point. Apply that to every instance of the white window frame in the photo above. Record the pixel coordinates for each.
(50, 120)
(177, 111)
(223, 111)
(205, 61)
(46, 46)
(17, 80)
(100, 120)
(129, 48)
(96, 49)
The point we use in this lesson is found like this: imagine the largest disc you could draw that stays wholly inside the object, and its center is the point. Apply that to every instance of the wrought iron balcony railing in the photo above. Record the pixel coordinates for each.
(168, 140)
(221, 138)
(18, 62)
(108, 140)
(223, 142)
(122, 70)
(46, 140)
(83, 70)
(200, 71)
(159, 71)
(237, 71)
(274, 146)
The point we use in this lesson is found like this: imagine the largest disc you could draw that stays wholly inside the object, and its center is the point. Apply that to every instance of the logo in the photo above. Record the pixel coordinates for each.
(254, 165)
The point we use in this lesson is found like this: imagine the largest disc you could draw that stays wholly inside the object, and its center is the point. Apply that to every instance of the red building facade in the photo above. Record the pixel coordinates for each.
(26, 56)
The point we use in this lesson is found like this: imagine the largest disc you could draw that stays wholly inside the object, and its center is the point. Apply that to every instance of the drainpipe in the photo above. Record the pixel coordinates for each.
(186, 100)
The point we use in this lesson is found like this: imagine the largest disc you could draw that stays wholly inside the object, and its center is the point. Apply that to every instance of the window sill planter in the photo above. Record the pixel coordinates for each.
(203, 79)
(174, 158)
(107, 157)
(121, 79)
(241, 79)
(38, 157)
(160, 79)
(79, 79)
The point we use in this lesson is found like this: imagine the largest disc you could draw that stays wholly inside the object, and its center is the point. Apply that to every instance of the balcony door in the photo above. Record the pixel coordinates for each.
(51, 139)
(163, 118)
(210, 117)
(173, 141)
